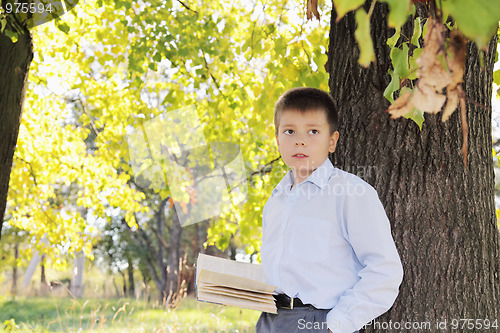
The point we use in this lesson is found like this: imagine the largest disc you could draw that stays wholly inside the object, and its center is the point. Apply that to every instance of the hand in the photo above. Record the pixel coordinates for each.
(330, 331)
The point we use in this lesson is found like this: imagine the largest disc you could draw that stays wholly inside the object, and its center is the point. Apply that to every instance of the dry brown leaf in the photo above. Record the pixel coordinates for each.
(451, 104)
(437, 77)
(430, 69)
(457, 50)
(427, 99)
(312, 9)
(402, 105)
(438, 68)
(434, 45)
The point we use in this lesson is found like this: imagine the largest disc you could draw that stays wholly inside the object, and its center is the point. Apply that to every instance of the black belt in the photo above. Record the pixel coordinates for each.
(284, 302)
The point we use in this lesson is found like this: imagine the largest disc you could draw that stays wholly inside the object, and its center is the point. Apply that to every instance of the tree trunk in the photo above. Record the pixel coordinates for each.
(14, 67)
(44, 286)
(151, 255)
(160, 257)
(124, 287)
(77, 279)
(442, 213)
(173, 260)
(131, 282)
(13, 289)
(35, 260)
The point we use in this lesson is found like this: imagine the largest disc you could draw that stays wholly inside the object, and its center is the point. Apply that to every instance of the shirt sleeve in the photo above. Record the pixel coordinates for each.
(368, 230)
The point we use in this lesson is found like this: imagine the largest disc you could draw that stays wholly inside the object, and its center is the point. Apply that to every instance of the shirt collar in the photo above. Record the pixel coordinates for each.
(322, 174)
(319, 177)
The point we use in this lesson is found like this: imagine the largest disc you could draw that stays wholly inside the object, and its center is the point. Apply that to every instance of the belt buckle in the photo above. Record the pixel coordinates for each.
(291, 304)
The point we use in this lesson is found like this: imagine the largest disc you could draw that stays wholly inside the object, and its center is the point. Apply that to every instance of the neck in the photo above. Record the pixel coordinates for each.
(298, 178)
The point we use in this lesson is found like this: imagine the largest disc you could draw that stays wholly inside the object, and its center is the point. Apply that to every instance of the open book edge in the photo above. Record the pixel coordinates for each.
(235, 282)
(228, 282)
(239, 302)
(237, 293)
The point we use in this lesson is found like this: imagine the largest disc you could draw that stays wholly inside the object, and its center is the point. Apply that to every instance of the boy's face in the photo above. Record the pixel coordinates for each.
(304, 141)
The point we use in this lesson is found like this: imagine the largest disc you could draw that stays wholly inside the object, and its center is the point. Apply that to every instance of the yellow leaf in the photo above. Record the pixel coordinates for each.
(364, 39)
(344, 6)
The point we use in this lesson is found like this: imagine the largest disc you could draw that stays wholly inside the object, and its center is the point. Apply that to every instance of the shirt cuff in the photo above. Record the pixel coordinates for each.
(338, 322)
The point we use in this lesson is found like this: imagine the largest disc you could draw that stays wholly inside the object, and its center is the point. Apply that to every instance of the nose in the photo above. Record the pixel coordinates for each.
(300, 142)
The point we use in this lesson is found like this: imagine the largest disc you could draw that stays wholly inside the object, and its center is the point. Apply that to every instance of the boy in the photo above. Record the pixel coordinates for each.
(327, 242)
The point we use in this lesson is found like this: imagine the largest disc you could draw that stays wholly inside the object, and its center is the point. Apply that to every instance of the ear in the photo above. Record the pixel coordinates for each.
(334, 138)
(277, 141)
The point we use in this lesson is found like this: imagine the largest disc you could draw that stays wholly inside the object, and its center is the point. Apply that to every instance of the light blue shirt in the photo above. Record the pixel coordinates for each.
(328, 242)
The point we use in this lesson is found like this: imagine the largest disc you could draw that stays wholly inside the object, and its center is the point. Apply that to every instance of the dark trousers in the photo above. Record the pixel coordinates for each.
(298, 320)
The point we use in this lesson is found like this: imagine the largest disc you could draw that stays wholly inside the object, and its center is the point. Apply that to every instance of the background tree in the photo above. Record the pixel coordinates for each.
(442, 211)
(102, 82)
(13, 242)
(116, 252)
(14, 67)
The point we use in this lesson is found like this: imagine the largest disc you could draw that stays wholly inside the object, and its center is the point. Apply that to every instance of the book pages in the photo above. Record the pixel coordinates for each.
(241, 303)
(236, 292)
(233, 283)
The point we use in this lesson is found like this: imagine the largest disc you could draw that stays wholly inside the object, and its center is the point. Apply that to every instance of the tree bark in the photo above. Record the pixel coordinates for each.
(442, 213)
(173, 260)
(44, 286)
(14, 67)
(131, 282)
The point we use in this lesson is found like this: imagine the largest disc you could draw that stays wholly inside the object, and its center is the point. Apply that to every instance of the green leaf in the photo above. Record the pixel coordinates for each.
(342, 7)
(413, 64)
(400, 61)
(14, 36)
(3, 23)
(392, 87)
(478, 19)
(364, 39)
(63, 27)
(417, 116)
(398, 13)
(391, 41)
(417, 32)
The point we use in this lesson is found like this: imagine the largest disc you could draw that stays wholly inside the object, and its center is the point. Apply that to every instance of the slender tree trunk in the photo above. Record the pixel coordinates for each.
(35, 260)
(15, 60)
(13, 289)
(124, 288)
(117, 290)
(173, 260)
(77, 279)
(442, 214)
(131, 282)
(150, 257)
(44, 286)
(160, 257)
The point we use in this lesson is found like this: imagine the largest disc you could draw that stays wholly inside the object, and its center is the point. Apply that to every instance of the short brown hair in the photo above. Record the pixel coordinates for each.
(304, 99)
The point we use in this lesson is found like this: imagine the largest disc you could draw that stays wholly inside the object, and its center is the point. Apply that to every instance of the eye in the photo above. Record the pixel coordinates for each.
(288, 131)
(313, 131)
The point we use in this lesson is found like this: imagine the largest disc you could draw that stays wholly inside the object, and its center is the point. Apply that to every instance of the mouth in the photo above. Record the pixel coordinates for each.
(300, 156)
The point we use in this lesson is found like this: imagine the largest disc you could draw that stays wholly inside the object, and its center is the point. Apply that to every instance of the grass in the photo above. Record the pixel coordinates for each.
(38, 314)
